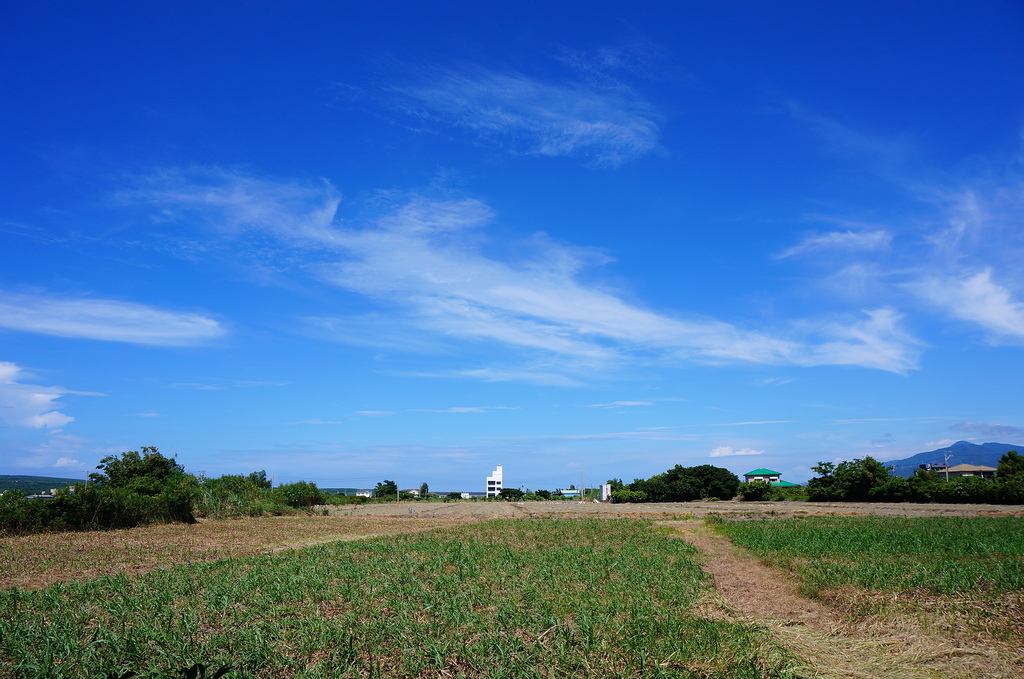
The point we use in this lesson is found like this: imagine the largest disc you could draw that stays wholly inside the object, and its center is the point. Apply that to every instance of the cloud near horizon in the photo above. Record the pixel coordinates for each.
(29, 405)
(987, 429)
(729, 451)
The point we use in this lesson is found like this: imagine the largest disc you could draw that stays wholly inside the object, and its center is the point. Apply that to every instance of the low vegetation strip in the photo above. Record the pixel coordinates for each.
(504, 598)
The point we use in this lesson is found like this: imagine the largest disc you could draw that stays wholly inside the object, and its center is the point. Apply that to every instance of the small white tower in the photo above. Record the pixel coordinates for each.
(494, 483)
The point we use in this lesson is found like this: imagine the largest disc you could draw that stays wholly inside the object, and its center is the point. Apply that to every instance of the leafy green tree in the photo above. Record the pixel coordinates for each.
(1011, 465)
(453, 496)
(260, 480)
(142, 473)
(546, 494)
(682, 484)
(755, 491)
(510, 494)
(424, 489)
(849, 481)
(386, 489)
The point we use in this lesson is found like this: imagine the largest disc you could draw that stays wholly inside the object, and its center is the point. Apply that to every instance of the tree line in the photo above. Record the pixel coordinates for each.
(141, 487)
(868, 480)
(679, 484)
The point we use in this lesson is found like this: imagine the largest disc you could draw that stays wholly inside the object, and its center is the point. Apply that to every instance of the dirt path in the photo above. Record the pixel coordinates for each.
(833, 648)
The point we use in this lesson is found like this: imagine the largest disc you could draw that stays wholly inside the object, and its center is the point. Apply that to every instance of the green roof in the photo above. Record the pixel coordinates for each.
(785, 484)
(762, 472)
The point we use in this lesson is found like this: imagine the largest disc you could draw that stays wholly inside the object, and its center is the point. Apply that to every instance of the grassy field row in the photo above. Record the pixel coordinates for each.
(35, 561)
(593, 598)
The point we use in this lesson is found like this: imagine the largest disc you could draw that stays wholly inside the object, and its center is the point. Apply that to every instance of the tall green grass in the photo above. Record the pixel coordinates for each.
(944, 555)
(526, 598)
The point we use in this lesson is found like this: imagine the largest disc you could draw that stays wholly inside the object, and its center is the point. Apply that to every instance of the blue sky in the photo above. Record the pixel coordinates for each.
(346, 243)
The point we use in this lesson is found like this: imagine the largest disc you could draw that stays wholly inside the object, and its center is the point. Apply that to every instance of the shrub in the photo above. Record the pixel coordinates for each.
(300, 494)
(629, 496)
(755, 491)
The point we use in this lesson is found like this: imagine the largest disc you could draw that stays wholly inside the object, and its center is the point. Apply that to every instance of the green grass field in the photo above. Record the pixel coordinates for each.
(961, 578)
(526, 598)
(943, 555)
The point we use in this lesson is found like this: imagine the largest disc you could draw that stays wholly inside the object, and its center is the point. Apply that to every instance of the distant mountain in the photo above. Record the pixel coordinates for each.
(34, 484)
(961, 452)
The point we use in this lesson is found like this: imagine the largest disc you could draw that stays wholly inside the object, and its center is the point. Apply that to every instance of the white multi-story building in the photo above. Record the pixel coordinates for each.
(494, 483)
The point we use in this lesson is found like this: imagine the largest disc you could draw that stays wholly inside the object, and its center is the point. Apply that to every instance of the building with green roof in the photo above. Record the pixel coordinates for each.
(772, 477)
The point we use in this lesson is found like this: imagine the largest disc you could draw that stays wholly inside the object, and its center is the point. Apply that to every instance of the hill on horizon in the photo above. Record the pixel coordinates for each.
(961, 452)
(34, 484)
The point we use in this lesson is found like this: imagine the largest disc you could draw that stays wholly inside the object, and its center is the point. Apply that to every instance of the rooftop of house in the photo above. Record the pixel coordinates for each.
(763, 472)
(971, 468)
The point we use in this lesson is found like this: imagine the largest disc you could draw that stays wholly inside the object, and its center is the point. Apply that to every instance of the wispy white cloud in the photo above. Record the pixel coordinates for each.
(67, 462)
(425, 262)
(545, 378)
(775, 381)
(953, 245)
(647, 434)
(729, 451)
(235, 202)
(220, 385)
(29, 405)
(620, 404)
(988, 429)
(460, 409)
(878, 341)
(375, 413)
(842, 241)
(978, 299)
(745, 424)
(105, 319)
(601, 120)
(452, 289)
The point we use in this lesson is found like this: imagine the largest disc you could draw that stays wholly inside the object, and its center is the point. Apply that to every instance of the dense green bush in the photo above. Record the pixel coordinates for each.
(234, 495)
(628, 496)
(789, 493)
(140, 487)
(682, 484)
(755, 491)
(300, 494)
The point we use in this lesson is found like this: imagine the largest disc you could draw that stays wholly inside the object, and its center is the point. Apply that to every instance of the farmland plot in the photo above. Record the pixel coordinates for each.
(505, 598)
(953, 584)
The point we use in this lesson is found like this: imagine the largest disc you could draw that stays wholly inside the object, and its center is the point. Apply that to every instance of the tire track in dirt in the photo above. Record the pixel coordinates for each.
(829, 646)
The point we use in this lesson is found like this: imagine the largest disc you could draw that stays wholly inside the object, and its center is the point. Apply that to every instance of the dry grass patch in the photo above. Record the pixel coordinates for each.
(35, 561)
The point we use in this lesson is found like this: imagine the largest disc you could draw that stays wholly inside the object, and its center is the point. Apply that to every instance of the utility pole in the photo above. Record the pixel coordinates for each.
(398, 492)
(583, 489)
(945, 463)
